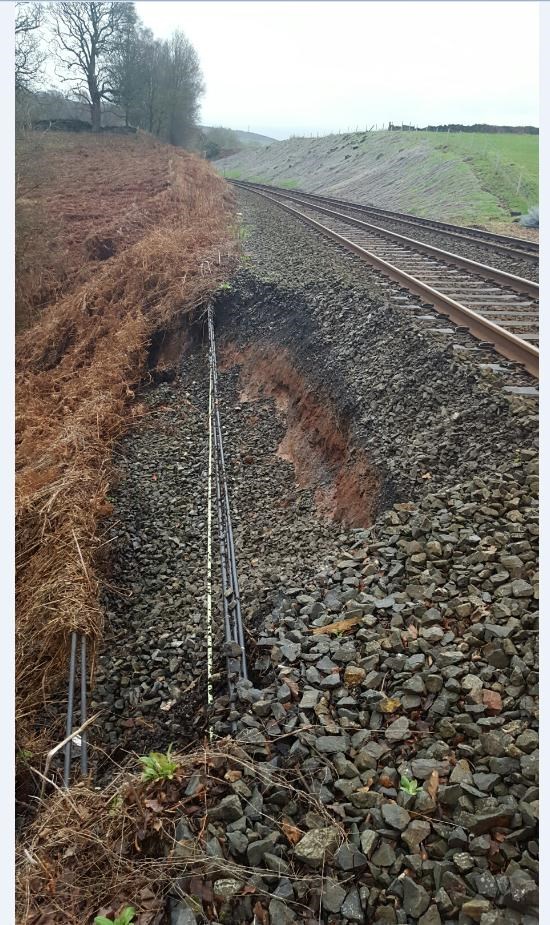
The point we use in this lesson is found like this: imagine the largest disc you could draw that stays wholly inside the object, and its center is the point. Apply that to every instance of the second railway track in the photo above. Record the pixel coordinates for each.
(510, 251)
(496, 307)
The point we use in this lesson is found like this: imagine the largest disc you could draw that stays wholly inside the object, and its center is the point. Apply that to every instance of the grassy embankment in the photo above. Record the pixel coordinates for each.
(464, 177)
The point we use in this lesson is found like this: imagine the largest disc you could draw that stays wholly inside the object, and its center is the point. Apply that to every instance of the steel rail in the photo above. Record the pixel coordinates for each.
(509, 345)
(231, 599)
(517, 283)
(503, 243)
(227, 521)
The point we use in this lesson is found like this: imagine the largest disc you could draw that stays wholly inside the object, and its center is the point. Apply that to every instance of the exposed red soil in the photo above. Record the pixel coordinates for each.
(317, 442)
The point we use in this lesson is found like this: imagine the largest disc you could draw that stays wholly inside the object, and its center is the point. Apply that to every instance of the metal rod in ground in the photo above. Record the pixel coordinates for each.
(236, 608)
(229, 635)
(70, 703)
(225, 586)
(209, 658)
(236, 615)
(231, 549)
(83, 706)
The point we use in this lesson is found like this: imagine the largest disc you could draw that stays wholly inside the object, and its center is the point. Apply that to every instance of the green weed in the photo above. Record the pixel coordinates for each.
(157, 766)
(126, 916)
(409, 786)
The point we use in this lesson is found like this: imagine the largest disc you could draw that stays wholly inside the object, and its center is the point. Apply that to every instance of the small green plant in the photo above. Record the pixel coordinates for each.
(409, 786)
(243, 232)
(115, 806)
(125, 917)
(157, 766)
(24, 756)
(225, 287)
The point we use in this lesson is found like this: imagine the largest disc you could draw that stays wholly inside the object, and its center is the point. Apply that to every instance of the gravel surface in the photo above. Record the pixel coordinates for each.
(151, 676)
(389, 726)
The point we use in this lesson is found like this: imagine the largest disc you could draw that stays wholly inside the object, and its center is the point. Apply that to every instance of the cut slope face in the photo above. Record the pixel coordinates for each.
(460, 177)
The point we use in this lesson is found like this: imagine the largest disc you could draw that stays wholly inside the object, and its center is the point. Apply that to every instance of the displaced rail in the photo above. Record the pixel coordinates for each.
(506, 244)
(231, 600)
(496, 307)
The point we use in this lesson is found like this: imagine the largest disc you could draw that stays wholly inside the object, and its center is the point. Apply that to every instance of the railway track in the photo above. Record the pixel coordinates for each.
(496, 307)
(505, 244)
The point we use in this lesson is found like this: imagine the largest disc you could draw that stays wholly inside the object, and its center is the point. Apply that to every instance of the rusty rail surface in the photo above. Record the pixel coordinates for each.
(505, 342)
(506, 244)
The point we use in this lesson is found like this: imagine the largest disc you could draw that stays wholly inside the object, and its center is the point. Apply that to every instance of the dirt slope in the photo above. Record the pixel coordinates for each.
(468, 178)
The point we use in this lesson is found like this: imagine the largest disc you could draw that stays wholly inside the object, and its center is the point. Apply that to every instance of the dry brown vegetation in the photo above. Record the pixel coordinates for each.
(167, 220)
(93, 852)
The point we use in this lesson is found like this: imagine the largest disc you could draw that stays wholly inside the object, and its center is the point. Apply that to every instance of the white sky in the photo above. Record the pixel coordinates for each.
(305, 67)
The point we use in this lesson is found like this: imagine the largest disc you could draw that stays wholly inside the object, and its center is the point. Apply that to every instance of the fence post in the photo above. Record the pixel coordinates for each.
(519, 180)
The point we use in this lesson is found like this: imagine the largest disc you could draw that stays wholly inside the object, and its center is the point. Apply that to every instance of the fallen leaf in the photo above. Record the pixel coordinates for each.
(389, 705)
(432, 785)
(201, 888)
(293, 687)
(260, 914)
(232, 776)
(339, 627)
(386, 781)
(154, 805)
(292, 833)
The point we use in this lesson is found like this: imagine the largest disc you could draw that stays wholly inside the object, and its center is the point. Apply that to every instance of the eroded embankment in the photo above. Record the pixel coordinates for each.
(296, 478)
(317, 441)
(386, 763)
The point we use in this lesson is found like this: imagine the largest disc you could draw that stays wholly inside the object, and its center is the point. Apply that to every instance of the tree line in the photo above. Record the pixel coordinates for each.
(457, 127)
(103, 54)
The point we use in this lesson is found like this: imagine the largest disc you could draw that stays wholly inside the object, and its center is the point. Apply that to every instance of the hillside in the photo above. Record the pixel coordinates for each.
(118, 239)
(466, 178)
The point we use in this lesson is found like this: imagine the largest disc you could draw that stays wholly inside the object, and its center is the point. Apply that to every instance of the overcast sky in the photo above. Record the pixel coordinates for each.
(280, 68)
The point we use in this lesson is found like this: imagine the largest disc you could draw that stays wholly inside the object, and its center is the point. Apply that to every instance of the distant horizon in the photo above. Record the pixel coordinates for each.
(270, 133)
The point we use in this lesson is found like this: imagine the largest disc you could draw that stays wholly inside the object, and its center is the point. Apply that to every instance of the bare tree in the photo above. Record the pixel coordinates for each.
(184, 87)
(87, 34)
(28, 57)
(167, 84)
(126, 78)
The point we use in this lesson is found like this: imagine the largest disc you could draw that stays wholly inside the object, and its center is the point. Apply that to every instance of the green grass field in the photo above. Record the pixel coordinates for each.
(465, 177)
(507, 166)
